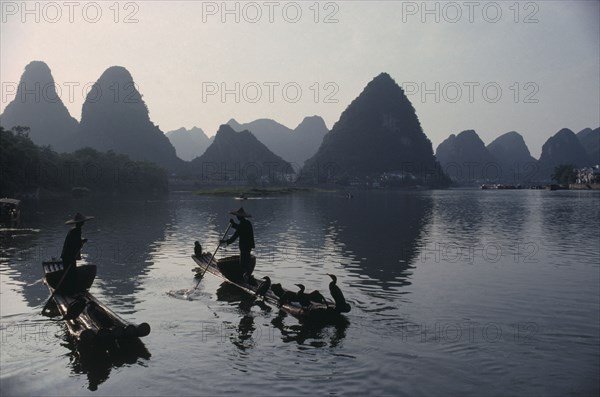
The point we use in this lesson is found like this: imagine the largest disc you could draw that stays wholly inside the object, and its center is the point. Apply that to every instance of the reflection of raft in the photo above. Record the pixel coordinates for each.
(228, 267)
(87, 319)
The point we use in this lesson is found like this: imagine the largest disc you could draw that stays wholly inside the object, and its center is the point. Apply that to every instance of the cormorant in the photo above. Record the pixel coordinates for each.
(285, 296)
(316, 296)
(277, 289)
(340, 302)
(263, 287)
(197, 250)
(301, 297)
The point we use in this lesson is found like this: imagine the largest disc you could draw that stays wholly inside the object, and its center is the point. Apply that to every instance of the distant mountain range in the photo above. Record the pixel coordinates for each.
(239, 157)
(189, 144)
(507, 159)
(296, 145)
(115, 117)
(379, 132)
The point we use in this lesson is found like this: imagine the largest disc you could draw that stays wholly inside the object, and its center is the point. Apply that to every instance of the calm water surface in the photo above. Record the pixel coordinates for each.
(459, 292)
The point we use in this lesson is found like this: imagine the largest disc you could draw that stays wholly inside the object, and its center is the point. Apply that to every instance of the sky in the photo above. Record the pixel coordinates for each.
(495, 67)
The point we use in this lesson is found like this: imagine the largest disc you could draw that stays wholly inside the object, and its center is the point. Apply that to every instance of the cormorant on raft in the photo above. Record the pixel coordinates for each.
(197, 249)
(316, 296)
(284, 296)
(340, 302)
(263, 288)
(310, 307)
(301, 297)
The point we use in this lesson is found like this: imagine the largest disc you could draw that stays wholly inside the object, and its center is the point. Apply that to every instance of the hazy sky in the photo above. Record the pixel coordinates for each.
(493, 67)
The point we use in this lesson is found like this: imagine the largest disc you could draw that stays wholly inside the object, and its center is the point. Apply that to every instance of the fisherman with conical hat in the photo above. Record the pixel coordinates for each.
(72, 249)
(243, 231)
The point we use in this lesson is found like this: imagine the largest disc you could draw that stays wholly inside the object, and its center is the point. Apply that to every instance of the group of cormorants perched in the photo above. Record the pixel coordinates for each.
(305, 299)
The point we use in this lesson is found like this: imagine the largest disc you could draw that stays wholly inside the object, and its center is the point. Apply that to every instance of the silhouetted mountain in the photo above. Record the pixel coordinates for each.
(238, 157)
(584, 132)
(378, 132)
(516, 163)
(292, 145)
(307, 139)
(271, 133)
(188, 144)
(590, 140)
(465, 158)
(562, 148)
(115, 117)
(38, 106)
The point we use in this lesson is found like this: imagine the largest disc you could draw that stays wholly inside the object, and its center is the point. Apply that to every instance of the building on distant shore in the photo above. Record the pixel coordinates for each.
(588, 175)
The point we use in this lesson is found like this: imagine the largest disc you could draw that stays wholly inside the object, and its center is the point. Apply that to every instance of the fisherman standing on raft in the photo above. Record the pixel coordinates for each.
(72, 250)
(244, 231)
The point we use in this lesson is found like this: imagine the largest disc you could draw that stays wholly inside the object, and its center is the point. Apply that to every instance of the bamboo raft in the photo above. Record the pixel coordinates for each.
(221, 270)
(88, 320)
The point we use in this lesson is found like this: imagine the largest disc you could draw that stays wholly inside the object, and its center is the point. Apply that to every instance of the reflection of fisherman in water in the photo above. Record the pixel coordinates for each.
(245, 233)
(72, 250)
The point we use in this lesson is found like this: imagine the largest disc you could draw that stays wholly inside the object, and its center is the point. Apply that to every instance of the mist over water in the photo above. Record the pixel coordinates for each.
(452, 292)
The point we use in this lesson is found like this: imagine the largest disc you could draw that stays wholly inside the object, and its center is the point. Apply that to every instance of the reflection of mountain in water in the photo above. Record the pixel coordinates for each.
(458, 214)
(122, 246)
(471, 223)
(381, 230)
(567, 216)
(120, 241)
(18, 265)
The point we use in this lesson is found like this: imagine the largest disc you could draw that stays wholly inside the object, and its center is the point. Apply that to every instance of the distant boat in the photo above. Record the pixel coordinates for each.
(499, 186)
(10, 211)
(558, 187)
(80, 191)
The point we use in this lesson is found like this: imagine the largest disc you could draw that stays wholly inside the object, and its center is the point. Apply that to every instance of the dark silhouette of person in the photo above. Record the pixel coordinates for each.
(72, 251)
(243, 231)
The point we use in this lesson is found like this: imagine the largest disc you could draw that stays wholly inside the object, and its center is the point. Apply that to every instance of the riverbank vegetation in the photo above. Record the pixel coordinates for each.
(31, 170)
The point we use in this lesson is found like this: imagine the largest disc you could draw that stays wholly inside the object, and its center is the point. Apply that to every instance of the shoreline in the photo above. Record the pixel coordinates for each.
(256, 192)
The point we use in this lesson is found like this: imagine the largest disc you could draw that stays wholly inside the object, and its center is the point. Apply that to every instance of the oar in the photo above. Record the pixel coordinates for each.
(213, 256)
(57, 287)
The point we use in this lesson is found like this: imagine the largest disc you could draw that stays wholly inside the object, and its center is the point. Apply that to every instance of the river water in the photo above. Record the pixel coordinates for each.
(454, 292)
